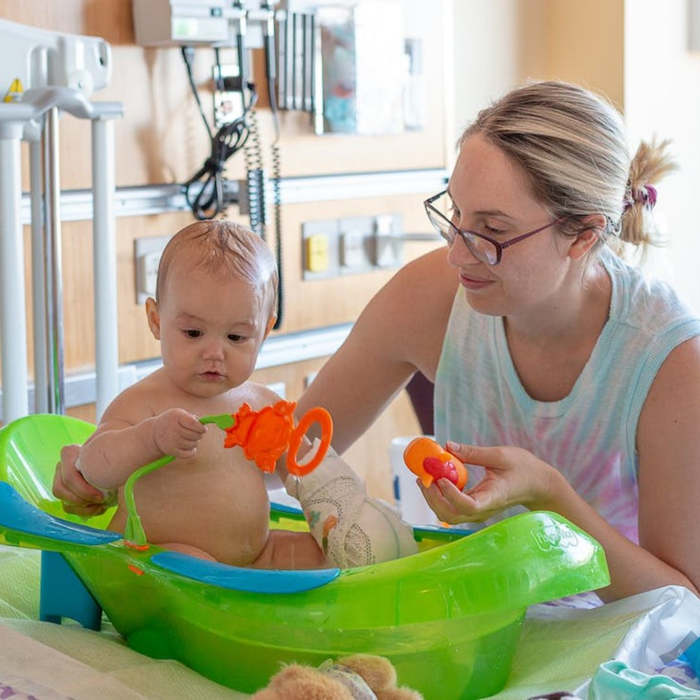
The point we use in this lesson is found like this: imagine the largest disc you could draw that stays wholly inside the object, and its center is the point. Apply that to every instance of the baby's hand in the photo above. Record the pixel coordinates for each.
(177, 432)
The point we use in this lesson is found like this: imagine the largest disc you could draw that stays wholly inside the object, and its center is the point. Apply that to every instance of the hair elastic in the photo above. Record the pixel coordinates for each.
(645, 195)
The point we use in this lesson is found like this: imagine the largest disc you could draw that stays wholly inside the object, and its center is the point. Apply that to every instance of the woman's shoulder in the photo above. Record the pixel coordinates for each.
(645, 301)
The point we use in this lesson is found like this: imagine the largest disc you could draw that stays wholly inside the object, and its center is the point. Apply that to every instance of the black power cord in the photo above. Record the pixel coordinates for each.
(210, 198)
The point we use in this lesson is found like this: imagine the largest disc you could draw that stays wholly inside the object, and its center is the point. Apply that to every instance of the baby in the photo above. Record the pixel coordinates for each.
(215, 304)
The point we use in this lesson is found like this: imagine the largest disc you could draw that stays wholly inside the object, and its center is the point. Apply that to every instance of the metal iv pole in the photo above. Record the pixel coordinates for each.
(20, 120)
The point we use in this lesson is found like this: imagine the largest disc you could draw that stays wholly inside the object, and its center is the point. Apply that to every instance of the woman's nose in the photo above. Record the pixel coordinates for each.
(458, 254)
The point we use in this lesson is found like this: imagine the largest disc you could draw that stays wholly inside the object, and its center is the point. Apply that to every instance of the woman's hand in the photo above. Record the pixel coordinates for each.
(177, 432)
(70, 487)
(513, 476)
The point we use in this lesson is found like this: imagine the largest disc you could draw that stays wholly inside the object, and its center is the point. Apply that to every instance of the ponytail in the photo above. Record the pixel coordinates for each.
(650, 164)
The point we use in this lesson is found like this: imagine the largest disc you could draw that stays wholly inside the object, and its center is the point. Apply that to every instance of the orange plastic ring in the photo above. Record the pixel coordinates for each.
(315, 415)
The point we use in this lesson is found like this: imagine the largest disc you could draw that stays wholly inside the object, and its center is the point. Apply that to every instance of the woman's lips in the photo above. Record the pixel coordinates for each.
(473, 283)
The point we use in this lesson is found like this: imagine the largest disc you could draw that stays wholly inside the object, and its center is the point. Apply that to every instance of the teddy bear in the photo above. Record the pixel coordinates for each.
(356, 677)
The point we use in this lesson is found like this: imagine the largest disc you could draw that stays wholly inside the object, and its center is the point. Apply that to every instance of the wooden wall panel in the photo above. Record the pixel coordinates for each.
(341, 299)
(308, 304)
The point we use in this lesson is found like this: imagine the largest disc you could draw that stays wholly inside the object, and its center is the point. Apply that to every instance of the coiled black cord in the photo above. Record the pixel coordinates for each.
(277, 200)
(255, 176)
(209, 200)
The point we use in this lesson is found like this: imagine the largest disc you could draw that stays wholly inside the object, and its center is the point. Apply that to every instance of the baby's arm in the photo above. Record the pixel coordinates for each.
(351, 528)
(119, 447)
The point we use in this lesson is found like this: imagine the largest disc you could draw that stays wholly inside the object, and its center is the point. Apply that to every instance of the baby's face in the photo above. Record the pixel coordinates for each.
(211, 330)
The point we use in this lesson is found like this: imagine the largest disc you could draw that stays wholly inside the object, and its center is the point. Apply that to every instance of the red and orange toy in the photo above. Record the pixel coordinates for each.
(266, 434)
(427, 460)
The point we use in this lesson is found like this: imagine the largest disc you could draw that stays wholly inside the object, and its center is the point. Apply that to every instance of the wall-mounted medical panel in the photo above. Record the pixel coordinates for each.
(161, 138)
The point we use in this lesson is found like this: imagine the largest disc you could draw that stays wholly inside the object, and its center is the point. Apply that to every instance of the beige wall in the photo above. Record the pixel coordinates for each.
(502, 43)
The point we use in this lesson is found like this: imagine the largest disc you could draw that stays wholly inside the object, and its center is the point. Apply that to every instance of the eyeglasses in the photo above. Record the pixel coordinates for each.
(481, 247)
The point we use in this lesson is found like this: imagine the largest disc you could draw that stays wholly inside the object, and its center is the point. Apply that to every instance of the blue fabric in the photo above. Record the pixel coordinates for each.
(692, 656)
(614, 679)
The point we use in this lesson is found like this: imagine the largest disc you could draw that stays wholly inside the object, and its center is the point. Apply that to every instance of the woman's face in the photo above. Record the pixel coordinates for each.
(492, 195)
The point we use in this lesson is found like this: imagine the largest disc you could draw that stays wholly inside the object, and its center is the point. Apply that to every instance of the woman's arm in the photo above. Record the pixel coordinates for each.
(668, 440)
(669, 488)
(400, 330)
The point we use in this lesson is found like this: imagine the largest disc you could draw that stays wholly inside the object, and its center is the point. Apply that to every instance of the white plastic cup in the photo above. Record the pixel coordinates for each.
(409, 499)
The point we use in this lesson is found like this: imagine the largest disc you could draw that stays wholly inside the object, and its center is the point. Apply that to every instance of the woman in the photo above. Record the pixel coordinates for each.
(571, 381)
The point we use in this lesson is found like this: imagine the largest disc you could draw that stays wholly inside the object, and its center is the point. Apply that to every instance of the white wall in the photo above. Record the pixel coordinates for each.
(488, 43)
(662, 97)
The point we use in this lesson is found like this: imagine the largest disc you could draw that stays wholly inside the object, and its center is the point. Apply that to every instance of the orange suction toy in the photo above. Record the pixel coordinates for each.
(427, 460)
(266, 434)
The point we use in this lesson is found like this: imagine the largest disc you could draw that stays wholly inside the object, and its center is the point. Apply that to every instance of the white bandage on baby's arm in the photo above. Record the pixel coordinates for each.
(110, 495)
(351, 528)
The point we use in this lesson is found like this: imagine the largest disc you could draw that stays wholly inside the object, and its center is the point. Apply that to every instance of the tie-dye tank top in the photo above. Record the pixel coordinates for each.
(590, 434)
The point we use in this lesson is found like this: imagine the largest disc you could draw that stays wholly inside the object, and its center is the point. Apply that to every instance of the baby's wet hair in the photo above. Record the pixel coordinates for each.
(218, 245)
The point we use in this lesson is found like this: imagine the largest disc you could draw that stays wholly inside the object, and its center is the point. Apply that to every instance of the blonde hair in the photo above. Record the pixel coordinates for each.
(216, 245)
(571, 143)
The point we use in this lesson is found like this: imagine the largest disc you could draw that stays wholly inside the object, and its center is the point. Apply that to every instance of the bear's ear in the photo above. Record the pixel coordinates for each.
(377, 671)
(295, 682)
(380, 675)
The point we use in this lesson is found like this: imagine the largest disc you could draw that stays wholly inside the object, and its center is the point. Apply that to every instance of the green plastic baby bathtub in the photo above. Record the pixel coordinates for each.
(448, 617)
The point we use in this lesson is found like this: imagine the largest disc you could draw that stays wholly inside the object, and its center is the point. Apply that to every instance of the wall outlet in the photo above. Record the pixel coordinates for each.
(227, 94)
(147, 252)
(320, 253)
(352, 245)
(147, 272)
(355, 235)
(387, 249)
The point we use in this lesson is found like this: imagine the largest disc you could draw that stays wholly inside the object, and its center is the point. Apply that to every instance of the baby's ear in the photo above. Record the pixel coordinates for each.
(153, 317)
(270, 324)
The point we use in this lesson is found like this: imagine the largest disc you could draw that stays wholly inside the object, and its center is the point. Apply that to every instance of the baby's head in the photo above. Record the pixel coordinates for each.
(221, 248)
(216, 297)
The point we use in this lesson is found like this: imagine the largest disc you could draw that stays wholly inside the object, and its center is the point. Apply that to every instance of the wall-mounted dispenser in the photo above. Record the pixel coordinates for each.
(332, 63)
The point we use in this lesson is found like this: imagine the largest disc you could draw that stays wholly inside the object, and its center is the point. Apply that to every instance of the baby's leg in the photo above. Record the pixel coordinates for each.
(187, 549)
(350, 528)
(290, 550)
